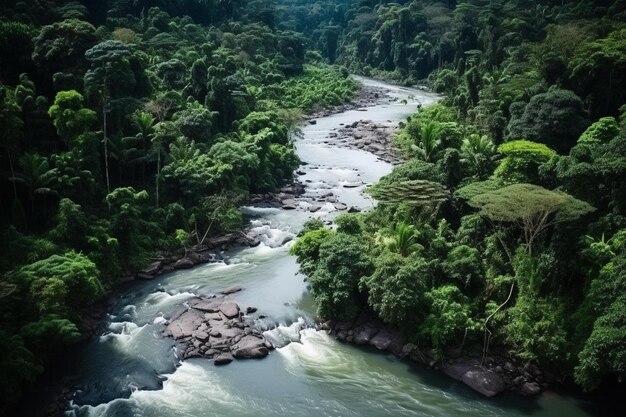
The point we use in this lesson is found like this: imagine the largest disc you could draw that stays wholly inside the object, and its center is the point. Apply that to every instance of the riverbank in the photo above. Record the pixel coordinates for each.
(497, 373)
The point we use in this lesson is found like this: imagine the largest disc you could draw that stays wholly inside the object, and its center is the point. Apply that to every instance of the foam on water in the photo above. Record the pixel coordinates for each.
(283, 335)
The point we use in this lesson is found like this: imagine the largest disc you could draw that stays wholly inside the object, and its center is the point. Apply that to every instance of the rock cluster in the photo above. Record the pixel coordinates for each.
(216, 328)
(285, 197)
(369, 136)
(496, 375)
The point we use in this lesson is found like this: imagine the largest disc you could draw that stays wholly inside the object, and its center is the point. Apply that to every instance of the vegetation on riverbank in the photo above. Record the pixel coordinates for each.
(127, 129)
(506, 226)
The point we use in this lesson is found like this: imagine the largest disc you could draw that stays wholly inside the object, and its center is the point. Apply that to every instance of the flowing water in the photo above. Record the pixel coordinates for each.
(131, 370)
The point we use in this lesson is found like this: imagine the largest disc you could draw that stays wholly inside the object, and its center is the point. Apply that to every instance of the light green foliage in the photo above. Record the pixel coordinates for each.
(531, 207)
(69, 116)
(307, 247)
(317, 87)
(522, 161)
(348, 223)
(602, 131)
(61, 284)
(478, 153)
(255, 122)
(447, 319)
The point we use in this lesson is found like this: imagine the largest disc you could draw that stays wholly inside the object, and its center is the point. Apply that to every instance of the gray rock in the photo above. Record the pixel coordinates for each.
(223, 359)
(209, 307)
(250, 347)
(201, 336)
(382, 340)
(475, 376)
(230, 309)
(153, 268)
(185, 324)
(183, 263)
(530, 388)
(486, 382)
(231, 290)
(144, 276)
(364, 335)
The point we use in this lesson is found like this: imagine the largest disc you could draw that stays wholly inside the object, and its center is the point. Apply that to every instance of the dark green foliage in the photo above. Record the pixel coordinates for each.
(555, 118)
(62, 45)
(396, 290)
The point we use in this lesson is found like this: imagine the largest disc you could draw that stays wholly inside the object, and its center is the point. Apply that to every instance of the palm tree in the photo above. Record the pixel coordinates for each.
(404, 240)
(427, 143)
(36, 176)
(478, 151)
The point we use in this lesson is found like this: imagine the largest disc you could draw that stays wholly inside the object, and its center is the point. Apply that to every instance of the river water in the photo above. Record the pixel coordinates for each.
(131, 370)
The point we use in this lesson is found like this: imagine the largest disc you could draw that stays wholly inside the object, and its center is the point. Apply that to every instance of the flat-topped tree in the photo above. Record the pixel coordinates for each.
(531, 207)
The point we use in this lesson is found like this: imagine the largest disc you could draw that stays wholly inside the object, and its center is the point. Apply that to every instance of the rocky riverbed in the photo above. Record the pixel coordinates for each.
(372, 137)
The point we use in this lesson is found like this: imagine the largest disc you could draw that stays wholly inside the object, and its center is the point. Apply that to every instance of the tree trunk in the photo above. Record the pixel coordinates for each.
(104, 134)
(156, 178)
(12, 173)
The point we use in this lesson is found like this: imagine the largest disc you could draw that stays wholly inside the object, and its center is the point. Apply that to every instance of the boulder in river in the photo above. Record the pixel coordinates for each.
(214, 328)
(530, 388)
(475, 376)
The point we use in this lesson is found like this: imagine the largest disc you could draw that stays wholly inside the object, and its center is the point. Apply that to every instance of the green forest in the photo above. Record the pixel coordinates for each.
(134, 127)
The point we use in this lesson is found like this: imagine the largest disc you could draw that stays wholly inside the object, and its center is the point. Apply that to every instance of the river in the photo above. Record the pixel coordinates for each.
(131, 370)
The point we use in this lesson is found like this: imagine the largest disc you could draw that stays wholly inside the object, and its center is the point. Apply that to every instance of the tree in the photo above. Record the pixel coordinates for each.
(448, 316)
(597, 71)
(36, 176)
(555, 118)
(131, 227)
(415, 193)
(532, 208)
(196, 122)
(69, 116)
(404, 240)
(62, 45)
(522, 161)
(478, 154)
(61, 284)
(343, 260)
(105, 58)
(11, 125)
(396, 289)
(427, 143)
